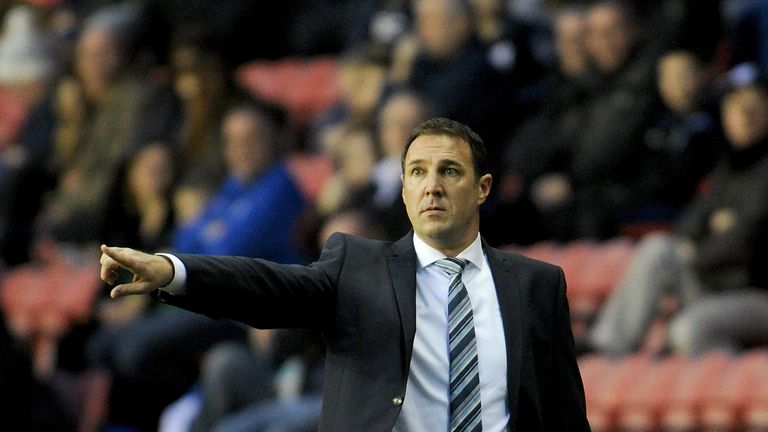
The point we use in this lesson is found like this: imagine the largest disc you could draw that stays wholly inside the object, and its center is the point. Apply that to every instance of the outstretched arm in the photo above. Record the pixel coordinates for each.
(150, 272)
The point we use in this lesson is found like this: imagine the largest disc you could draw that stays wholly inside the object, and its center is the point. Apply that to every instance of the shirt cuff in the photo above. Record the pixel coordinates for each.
(178, 284)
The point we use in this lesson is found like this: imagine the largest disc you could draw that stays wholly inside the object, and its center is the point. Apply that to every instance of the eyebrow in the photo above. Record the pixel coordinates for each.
(440, 162)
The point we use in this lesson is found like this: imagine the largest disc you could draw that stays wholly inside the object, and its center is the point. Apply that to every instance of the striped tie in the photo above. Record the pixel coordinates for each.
(464, 372)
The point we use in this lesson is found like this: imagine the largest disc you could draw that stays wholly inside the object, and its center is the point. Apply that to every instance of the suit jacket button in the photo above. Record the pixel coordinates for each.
(397, 401)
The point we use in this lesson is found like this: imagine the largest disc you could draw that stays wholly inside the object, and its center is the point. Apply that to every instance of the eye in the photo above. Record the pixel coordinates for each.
(451, 172)
(417, 171)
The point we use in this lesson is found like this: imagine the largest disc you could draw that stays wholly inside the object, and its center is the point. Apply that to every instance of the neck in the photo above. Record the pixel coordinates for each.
(450, 249)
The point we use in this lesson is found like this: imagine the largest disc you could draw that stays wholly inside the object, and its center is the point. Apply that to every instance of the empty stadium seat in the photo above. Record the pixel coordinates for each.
(606, 397)
(303, 86)
(718, 391)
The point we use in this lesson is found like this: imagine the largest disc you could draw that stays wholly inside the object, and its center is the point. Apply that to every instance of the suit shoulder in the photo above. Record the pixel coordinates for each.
(356, 243)
(521, 261)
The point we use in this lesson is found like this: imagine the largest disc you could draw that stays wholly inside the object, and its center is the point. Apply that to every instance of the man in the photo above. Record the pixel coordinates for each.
(382, 308)
(257, 200)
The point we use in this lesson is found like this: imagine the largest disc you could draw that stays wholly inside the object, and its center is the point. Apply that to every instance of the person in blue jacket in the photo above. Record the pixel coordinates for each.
(254, 213)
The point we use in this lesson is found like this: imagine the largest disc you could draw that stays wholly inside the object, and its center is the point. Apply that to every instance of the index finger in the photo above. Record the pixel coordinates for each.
(117, 263)
(121, 256)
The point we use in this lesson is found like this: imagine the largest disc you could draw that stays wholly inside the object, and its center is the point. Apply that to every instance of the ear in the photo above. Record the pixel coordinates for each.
(484, 188)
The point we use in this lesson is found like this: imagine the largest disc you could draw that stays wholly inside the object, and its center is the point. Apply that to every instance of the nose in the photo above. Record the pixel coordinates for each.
(433, 186)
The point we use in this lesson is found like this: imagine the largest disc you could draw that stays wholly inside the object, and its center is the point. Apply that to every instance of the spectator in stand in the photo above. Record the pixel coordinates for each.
(518, 52)
(117, 111)
(715, 260)
(447, 65)
(400, 113)
(144, 218)
(254, 213)
(361, 80)
(203, 88)
(28, 68)
(588, 176)
(681, 146)
(536, 146)
(258, 195)
(350, 186)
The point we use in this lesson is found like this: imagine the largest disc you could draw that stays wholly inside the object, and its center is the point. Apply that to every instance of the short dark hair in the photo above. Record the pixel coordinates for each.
(444, 126)
(270, 116)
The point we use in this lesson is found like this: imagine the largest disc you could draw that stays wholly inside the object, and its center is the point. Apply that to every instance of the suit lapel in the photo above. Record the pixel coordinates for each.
(509, 296)
(402, 271)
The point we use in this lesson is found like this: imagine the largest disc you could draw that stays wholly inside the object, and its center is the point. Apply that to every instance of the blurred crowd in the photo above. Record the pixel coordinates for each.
(124, 124)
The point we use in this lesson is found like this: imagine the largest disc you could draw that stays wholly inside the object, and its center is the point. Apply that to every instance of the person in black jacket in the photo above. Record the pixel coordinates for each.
(382, 307)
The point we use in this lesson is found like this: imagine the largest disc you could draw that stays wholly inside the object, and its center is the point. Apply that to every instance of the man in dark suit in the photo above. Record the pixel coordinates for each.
(437, 331)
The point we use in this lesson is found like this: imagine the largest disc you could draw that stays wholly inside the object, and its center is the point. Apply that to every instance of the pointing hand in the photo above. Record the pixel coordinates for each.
(150, 272)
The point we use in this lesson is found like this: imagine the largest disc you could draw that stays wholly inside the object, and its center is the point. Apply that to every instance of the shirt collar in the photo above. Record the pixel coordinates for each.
(427, 255)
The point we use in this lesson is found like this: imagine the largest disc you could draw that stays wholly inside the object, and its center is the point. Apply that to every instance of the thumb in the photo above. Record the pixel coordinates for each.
(133, 288)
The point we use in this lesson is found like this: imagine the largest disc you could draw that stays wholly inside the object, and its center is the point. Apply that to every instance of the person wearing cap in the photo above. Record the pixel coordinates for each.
(714, 261)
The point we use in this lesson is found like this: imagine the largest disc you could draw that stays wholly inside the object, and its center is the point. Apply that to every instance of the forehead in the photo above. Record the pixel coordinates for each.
(570, 24)
(95, 38)
(435, 148)
(749, 94)
(606, 16)
(241, 119)
(676, 62)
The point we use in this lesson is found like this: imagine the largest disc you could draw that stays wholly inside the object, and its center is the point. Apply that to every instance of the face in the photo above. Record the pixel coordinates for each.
(441, 192)
(245, 146)
(97, 58)
(151, 172)
(361, 86)
(198, 77)
(745, 116)
(441, 27)
(357, 158)
(679, 81)
(399, 116)
(569, 43)
(488, 8)
(610, 37)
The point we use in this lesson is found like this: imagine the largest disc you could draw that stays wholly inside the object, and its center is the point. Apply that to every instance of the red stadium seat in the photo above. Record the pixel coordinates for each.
(43, 300)
(754, 411)
(608, 395)
(686, 399)
(649, 394)
(303, 86)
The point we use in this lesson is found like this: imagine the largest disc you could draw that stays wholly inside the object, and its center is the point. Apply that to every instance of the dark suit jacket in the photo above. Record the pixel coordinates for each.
(362, 294)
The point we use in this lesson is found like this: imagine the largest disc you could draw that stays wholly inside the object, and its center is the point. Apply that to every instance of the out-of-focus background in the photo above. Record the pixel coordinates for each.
(628, 142)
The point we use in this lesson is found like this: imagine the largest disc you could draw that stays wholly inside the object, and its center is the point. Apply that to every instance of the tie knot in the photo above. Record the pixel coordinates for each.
(452, 265)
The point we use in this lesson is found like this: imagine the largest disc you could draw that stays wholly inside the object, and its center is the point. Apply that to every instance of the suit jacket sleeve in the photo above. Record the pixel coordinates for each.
(261, 293)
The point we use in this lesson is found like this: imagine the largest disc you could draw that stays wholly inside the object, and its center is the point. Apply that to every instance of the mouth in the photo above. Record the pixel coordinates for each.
(433, 210)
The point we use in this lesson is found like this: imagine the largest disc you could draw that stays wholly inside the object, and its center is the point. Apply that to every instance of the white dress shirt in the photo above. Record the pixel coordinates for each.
(426, 402)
